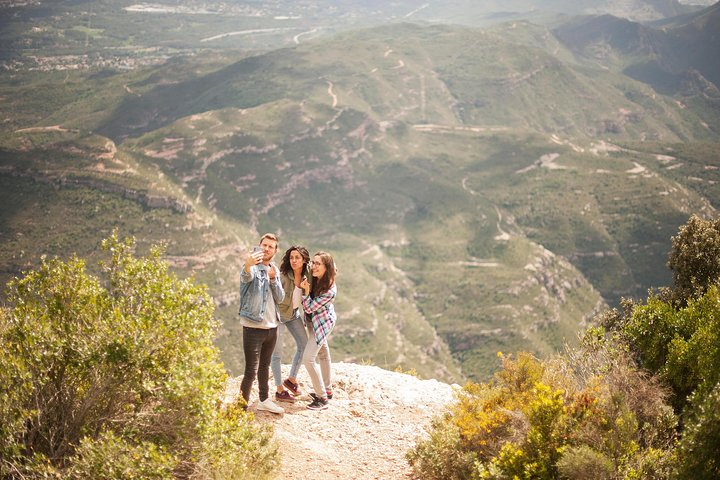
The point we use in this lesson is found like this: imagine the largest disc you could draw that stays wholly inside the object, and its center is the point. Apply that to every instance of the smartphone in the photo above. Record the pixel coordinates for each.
(257, 248)
(259, 264)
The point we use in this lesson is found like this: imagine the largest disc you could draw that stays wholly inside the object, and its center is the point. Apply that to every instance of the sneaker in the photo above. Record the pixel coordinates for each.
(328, 393)
(268, 406)
(292, 386)
(318, 404)
(284, 396)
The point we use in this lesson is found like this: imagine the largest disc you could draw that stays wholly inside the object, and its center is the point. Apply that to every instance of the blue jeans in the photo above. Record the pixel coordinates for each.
(297, 330)
(258, 345)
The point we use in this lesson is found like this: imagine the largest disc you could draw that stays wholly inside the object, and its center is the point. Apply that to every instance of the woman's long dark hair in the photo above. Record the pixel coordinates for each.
(285, 264)
(323, 284)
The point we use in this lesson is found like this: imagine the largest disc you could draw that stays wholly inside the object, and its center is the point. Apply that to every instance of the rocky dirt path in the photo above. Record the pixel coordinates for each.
(374, 418)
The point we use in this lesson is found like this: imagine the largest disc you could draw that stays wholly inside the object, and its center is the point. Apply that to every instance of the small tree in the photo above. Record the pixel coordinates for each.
(676, 335)
(118, 379)
(695, 257)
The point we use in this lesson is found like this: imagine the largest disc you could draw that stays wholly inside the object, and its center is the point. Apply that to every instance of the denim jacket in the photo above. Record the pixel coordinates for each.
(254, 287)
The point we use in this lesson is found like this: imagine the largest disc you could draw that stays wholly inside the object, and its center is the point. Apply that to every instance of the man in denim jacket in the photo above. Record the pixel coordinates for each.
(260, 293)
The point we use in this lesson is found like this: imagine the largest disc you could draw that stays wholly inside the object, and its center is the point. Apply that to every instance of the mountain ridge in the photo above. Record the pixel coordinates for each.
(662, 56)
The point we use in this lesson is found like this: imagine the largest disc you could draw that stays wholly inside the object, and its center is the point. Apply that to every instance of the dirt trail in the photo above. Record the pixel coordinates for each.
(374, 418)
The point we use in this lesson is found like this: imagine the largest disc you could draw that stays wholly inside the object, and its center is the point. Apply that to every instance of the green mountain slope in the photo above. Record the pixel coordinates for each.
(482, 191)
(426, 75)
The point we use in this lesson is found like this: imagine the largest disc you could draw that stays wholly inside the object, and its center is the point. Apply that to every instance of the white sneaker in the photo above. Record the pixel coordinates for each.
(269, 406)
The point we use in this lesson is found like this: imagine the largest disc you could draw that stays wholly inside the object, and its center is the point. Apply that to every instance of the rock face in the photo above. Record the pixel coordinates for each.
(374, 418)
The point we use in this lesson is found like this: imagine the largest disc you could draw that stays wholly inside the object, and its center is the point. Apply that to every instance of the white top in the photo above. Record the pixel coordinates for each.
(297, 297)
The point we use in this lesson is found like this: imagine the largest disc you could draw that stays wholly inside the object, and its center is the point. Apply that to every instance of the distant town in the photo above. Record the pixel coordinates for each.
(151, 56)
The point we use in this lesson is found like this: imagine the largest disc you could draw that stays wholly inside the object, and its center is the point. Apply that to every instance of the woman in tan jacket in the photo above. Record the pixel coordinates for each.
(293, 268)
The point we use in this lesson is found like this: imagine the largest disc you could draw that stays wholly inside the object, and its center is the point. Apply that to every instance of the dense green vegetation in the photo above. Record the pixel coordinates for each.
(117, 377)
(637, 400)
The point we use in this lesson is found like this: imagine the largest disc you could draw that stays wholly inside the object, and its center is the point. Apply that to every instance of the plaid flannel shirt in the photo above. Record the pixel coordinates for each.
(322, 313)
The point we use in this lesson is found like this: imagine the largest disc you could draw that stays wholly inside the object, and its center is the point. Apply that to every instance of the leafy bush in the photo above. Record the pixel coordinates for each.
(109, 456)
(695, 257)
(590, 411)
(441, 457)
(650, 464)
(583, 462)
(682, 345)
(117, 379)
(536, 455)
(700, 444)
(676, 335)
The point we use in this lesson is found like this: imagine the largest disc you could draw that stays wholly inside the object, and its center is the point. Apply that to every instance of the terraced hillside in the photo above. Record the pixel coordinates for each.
(483, 190)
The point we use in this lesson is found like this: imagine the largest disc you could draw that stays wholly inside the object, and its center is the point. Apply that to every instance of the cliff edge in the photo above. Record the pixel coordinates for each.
(374, 418)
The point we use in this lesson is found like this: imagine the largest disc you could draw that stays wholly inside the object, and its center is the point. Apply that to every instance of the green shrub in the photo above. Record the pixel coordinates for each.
(676, 336)
(229, 452)
(700, 444)
(583, 462)
(534, 456)
(650, 464)
(682, 345)
(108, 456)
(695, 257)
(441, 456)
(591, 410)
(121, 371)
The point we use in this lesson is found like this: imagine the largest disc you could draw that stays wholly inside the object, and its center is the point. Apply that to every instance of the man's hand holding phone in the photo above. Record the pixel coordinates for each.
(254, 258)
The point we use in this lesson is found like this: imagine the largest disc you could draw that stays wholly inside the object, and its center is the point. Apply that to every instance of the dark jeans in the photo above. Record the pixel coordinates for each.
(258, 344)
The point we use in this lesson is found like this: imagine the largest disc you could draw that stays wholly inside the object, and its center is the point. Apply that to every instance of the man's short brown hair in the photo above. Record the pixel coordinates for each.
(270, 236)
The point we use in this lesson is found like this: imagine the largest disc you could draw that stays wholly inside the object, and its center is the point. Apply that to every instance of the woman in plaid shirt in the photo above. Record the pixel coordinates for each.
(320, 314)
